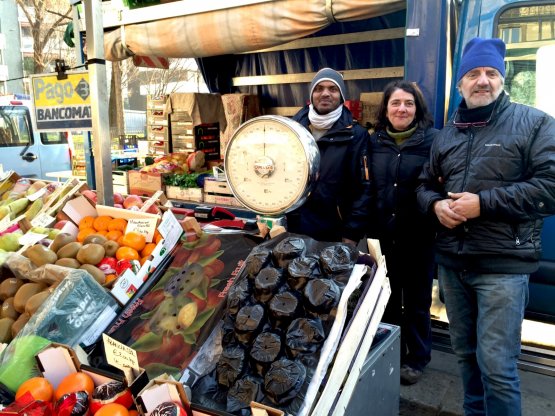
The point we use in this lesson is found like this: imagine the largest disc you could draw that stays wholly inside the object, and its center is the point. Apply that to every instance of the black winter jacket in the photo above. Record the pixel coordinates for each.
(338, 205)
(510, 164)
(395, 216)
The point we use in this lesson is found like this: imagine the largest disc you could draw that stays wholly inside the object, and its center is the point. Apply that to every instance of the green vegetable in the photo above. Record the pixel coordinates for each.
(183, 180)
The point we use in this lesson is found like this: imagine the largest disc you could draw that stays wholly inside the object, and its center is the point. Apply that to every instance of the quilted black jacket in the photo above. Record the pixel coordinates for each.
(338, 206)
(510, 164)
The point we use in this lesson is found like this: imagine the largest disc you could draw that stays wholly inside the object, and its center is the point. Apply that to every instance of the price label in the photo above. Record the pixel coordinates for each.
(37, 194)
(119, 355)
(4, 222)
(145, 226)
(30, 238)
(43, 220)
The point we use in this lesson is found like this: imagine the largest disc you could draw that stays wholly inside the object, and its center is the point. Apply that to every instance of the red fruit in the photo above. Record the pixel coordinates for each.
(132, 201)
(213, 299)
(118, 198)
(168, 409)
(60, 224)
(201, 303)
(153, 299)
(108, 265)
(211, 247)
(180, 257)
(91, 195)
(110, 392)
(214, 269)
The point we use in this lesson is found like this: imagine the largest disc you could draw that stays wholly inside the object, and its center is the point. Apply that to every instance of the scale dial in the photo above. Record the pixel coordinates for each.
(271, 164)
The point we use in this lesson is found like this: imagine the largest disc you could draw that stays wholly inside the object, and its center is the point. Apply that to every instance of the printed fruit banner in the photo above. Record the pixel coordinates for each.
(168, 324)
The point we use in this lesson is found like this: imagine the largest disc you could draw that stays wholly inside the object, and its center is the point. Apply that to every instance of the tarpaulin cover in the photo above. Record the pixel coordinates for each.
(239, 29)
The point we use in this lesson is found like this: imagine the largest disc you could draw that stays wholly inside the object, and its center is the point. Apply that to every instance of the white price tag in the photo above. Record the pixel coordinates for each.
(4, 222)
(42, 220)
(145, 226)
(170, 229)
(31, 238)
(37, 194)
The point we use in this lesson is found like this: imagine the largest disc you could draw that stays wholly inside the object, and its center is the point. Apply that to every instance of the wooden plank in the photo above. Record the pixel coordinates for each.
(360, 359)
(351, 343)
(348, 75)
(343, 39)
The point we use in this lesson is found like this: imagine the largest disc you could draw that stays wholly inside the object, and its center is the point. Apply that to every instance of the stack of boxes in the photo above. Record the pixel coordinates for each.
(157, 126)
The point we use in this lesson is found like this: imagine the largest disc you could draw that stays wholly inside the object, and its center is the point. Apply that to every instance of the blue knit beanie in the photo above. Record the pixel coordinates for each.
(480, 52)
(328, 74)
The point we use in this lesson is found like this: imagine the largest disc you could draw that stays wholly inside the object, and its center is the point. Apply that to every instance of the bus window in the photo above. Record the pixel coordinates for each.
(14, 126)
(525, 29)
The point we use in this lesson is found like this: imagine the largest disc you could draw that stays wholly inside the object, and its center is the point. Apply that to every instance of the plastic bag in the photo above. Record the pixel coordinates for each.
(243, 392)
(287, 250)
(304, 336)
(301, 270)
(284, 380)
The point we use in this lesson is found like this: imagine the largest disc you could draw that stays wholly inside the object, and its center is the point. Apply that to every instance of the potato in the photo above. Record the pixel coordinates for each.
(24, 293)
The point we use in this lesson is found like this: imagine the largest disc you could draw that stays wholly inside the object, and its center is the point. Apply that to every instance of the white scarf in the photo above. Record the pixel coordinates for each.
(324, 121)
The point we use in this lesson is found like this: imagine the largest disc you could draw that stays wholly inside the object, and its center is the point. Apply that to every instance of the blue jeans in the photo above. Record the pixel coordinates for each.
(485, 314)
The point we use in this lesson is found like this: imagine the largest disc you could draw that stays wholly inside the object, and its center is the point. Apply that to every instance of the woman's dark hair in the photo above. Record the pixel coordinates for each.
(422, 117)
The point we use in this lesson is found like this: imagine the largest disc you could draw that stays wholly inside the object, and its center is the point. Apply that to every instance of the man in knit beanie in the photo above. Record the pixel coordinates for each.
(490, 182)
(337, 208)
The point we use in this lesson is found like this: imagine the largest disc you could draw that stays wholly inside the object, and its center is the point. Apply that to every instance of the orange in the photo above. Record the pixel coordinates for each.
(120, 240)
(112, 409)
(147, 251)
(84, 233)
(39, 387)
(86, 222)
(157, 236)
(133, 413)
(142, 260)
(113, 235)
(127, 253)
(117, 224)
(110, 277)
(134, 240)
(101, 222)
(74, 382)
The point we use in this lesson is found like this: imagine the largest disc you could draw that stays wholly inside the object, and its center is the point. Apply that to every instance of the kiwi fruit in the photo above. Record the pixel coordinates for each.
(111, 247)
(95, 272)
(7, 310)
(24, 293)
(35, 301)
(41, 255)
(95, 238)
(61, 240)
(90, 254)
(6, 330)
(20, 323)
(68, 262)
(9, 287)
(69, 250)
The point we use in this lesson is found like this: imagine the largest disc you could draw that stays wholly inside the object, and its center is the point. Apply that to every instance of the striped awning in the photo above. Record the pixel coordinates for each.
(239, 29)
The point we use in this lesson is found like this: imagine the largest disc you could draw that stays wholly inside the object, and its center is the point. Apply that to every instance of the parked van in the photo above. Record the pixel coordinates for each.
(22, 148)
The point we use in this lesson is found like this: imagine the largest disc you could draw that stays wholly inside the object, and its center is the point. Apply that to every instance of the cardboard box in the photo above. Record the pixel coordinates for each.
(222, 200)
(184, 194)
(144, 183)
(217, 187)
(57, 361)
(158, 391)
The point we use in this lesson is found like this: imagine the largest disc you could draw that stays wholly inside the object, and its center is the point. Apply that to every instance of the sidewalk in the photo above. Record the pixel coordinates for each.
(439, 392)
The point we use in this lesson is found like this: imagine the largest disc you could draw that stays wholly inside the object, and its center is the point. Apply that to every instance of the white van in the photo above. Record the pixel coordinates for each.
(22, 148)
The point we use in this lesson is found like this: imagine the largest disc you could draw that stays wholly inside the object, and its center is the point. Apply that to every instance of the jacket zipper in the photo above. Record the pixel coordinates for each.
(466, 168)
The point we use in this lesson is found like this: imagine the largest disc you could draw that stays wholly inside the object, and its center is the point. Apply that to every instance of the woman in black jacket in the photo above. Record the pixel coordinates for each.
(399, 148)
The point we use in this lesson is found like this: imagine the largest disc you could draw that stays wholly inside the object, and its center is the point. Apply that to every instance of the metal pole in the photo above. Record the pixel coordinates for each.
(99, 102)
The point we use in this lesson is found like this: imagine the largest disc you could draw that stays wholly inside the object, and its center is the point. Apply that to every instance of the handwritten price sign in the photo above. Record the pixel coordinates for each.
(119, 355)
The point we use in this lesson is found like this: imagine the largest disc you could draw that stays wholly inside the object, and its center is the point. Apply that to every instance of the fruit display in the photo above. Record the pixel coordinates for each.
(278, 315)
(130, 202)
(167, 324)
(177, 163)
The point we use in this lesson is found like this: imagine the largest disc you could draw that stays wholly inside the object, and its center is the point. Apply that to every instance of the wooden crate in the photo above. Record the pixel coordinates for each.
(184, 194)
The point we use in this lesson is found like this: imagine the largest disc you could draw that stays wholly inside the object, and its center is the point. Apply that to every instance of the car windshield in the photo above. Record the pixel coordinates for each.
(14, 126)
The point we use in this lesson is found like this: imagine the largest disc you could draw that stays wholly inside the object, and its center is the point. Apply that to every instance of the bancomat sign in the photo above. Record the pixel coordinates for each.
(62, 104)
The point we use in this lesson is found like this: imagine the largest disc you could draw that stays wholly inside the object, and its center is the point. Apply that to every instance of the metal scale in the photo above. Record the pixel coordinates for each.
(271, 165)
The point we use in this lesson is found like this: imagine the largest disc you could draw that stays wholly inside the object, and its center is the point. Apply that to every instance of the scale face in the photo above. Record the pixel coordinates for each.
(271, 164)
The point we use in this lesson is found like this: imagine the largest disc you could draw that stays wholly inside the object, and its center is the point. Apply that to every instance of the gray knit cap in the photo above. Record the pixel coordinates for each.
(328, 74)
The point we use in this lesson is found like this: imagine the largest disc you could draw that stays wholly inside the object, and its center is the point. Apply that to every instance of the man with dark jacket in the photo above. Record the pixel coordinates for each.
(337, 208)
(490, 182)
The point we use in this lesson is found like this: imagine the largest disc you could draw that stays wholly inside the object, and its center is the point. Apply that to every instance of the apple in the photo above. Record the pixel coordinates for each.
(153, 209)
(132, 201)
(118, 206)
(60, 224)
(91, 195)
(118, 198)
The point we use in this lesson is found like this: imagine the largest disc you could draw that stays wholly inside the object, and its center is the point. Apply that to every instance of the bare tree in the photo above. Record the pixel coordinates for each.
(159, 82)
(47, 20)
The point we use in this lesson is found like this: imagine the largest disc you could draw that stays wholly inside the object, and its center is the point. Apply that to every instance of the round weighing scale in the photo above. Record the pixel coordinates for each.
(271, 164)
